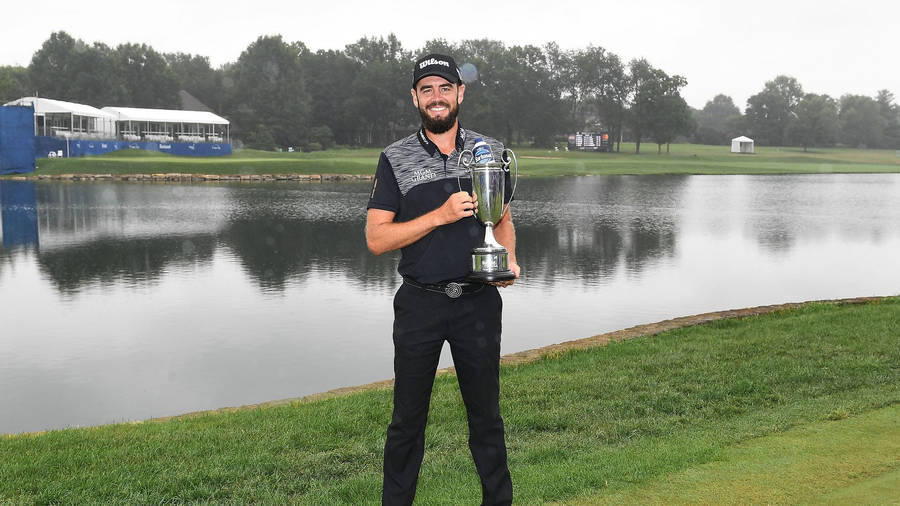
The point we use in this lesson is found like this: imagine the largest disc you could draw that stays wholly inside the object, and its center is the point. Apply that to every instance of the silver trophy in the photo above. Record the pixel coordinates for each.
(490, 261)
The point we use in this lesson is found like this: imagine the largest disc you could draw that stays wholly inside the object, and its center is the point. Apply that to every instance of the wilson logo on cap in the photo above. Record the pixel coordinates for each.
(432, 61)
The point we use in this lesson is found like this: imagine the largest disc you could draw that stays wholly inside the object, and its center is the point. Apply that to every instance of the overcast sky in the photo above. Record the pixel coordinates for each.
(720, 47)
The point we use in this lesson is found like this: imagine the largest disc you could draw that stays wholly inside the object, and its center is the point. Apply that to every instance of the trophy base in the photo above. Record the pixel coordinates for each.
(489, 277)
(490, 264)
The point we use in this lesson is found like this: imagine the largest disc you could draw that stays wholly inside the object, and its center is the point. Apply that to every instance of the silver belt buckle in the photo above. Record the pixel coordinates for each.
(453, 289)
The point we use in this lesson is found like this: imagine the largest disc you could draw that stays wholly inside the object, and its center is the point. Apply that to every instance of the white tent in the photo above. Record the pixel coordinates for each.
(165, 115)
(169, 124)
(68, 119)
(742, 145)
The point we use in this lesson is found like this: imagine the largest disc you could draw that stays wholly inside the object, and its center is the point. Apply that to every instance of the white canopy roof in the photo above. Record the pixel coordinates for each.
(165, 115)
(742, 139)
(47, 105)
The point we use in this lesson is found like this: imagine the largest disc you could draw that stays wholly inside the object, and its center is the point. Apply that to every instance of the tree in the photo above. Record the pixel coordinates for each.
(890, 113)
(378, 103)
(194, 75)
(861, 122)
(671, 117)
(612, 103)
(328, 76)
(69, 69)
(603, 83)
(770, 112)
(97, 80)
(52, 66)
(817, 121)
(13, 83)
(267, 90)
(650, 86)
(146, 79)
(260, 138)
(716, 120)
(321, 136)
(531, 97)
(484, 107)
(642, 80)
(561, 70)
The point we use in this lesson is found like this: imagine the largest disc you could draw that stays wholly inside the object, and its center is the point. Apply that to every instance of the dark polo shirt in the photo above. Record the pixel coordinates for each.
(413, 178)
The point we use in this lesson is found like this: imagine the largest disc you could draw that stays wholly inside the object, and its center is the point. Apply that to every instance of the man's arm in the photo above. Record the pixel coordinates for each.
(383, 234)
(505, 233)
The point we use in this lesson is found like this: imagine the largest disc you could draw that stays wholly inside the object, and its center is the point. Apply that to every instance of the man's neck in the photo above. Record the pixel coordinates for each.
(445, 142)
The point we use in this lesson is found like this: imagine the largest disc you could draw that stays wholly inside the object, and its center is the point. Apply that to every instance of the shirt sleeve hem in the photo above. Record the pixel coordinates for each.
(383, 207)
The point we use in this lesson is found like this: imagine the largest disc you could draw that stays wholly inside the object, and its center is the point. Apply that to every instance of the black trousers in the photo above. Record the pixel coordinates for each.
(471, 324)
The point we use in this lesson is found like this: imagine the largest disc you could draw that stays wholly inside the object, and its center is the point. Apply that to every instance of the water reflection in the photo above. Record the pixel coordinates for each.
(587, 228)
(157, 299)
(103, 233)
(18, 215)
(583, 228)
(283, 235)
(134, 262)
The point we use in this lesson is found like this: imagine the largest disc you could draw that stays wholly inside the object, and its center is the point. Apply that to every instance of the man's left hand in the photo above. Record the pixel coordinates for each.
(513, 266)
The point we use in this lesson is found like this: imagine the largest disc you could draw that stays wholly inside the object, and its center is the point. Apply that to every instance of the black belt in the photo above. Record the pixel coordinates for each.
(452, 289)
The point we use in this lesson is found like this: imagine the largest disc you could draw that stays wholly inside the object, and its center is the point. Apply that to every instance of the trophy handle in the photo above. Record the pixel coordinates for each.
(466, 161)
(514, 161)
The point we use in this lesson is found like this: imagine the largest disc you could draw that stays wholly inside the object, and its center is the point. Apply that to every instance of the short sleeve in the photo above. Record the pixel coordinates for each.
(385, 191)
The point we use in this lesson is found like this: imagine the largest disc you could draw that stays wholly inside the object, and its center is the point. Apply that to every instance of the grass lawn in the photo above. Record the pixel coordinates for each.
(683, 159)
(853, 460)
(791, 399)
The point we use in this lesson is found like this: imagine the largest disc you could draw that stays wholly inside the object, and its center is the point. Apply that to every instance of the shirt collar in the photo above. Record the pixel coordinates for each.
(432, 147)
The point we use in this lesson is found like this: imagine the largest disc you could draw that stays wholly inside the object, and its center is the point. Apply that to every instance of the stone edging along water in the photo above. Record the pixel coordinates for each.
(523, 357)
(185, 177)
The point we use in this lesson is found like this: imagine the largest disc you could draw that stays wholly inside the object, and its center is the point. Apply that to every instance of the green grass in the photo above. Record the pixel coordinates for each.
(246, 161)
(683, 159)
(849, 461)
(704, 159)
(585, 425)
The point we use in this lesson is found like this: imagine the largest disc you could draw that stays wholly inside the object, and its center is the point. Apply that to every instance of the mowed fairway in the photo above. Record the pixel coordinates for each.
(847, 461)
(683, 159)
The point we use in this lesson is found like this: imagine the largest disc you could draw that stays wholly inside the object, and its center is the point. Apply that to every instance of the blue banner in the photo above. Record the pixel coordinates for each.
(16, 139)
(49, 147)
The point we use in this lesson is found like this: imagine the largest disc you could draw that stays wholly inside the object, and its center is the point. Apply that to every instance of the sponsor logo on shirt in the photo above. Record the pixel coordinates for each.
(422, 175)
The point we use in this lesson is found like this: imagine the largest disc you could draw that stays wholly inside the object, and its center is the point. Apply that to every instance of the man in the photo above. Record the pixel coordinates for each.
(421, 204)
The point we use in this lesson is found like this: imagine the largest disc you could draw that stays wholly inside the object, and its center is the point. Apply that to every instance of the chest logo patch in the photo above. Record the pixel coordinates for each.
(423, 175)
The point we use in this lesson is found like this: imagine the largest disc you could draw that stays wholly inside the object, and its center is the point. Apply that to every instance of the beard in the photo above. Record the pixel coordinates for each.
(438, 125)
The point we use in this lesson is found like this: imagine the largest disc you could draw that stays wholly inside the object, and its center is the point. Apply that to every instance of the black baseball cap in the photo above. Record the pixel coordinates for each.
(436, 65)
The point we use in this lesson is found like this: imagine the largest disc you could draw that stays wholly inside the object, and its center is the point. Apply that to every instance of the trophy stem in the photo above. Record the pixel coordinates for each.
(489, 240)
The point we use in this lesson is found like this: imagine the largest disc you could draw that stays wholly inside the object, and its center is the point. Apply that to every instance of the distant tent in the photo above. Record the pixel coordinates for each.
(166, 125)
(742, 145)
(56, 118)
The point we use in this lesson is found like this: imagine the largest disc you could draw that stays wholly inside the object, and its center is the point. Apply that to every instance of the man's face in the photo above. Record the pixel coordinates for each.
(437, 100)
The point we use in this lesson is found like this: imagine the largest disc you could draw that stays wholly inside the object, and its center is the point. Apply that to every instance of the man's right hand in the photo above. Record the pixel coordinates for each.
(383, 234)
(458, 206)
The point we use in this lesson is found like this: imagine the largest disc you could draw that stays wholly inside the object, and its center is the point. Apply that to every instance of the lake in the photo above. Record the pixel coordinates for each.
(126, 301)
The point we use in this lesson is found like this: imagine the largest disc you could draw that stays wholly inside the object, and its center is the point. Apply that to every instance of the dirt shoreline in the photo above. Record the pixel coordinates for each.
(523, 357)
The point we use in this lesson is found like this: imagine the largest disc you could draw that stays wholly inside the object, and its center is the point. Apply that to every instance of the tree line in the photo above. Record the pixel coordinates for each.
(280, 93)
(782, 114)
